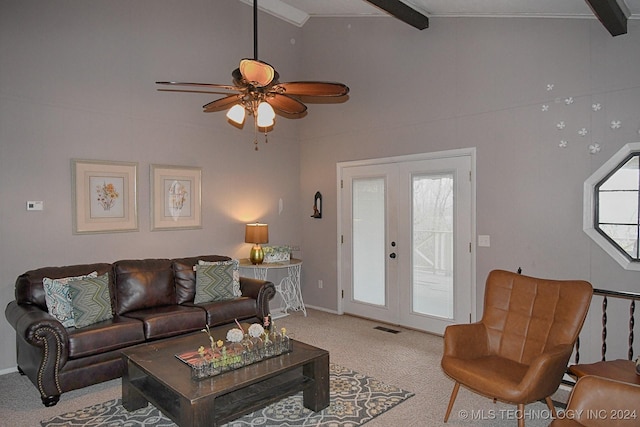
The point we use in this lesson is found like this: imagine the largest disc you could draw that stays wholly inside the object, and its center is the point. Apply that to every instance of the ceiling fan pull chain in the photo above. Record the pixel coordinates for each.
(255, 132)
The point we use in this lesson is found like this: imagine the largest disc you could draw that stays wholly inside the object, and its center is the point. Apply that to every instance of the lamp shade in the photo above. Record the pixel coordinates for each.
(265, 115)
(236, 114)
(256, 233)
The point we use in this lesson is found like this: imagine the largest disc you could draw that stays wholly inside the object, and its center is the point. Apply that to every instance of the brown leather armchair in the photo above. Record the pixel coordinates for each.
(601, 402)
(518, 352)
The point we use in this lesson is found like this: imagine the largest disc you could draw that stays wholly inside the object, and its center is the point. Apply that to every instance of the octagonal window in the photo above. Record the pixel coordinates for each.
(617, 207)
(612, 200)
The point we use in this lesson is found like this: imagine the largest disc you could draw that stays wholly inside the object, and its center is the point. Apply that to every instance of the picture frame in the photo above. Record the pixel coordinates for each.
(104, 196)
(176, 197)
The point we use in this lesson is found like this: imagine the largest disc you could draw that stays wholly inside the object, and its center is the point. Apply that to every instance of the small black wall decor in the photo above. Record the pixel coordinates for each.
(317, 205)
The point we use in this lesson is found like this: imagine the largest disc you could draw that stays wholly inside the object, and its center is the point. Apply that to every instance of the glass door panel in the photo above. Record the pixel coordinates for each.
(432, 245)
(368, 229)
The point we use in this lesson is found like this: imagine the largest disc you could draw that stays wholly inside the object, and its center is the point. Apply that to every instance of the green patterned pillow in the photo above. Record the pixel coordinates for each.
(214, 281)
(90, 300)
(236, 273)
(56, 296)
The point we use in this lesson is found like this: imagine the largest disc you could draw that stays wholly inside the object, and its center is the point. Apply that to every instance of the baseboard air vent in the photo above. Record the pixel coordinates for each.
(391, 331)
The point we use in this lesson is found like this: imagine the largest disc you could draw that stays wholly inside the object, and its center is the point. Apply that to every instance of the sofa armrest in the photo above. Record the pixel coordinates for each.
(465, 341)
(262, 291)
(43, 346)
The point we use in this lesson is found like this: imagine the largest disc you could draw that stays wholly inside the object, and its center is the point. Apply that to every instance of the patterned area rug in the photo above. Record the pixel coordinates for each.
(355, 399)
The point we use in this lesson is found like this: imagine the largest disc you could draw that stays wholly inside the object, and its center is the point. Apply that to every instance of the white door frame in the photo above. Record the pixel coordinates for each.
(471, 152)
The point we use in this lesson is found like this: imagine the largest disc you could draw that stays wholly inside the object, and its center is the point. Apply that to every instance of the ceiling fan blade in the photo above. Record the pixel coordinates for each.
(256, 72)
(313, 88)
(210, 92)
(209, 85)
(286, 104)
(222, 103)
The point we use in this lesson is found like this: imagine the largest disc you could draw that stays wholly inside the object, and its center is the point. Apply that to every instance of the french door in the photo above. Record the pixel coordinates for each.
(406, 232)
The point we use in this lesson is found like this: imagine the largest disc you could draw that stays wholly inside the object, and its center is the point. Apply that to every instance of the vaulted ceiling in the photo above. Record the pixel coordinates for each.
(612, 13)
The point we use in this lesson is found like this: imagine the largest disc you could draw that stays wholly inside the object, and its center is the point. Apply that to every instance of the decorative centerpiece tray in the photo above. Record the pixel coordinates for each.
(239, 350)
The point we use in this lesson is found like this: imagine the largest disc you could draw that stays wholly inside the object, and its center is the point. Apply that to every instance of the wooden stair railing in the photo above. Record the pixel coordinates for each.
(606, 294)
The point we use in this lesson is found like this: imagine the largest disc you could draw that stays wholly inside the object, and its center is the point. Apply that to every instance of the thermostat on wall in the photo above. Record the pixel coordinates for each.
(35, 206)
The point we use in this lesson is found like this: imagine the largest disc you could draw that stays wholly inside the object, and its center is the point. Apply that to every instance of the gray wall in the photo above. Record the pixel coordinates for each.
(76, 81)
(481, 83)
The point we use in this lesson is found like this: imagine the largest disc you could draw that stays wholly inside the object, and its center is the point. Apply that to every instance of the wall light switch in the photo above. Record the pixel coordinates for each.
(35, 206)
(484, 241)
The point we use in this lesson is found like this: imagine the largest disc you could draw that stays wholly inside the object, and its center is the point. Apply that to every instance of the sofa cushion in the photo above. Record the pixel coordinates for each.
(90, 300)
(142, 284)
(169, 320)
(185, 275)
(56, 295)
(115, 333)
(221, 312)
(214, 282)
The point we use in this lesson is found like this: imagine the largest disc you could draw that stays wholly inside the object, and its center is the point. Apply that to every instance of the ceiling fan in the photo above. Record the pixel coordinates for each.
(257, 91)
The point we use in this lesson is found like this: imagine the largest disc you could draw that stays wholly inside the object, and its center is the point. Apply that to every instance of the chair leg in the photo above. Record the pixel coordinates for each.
(552, 408)
(452, 399)
(520, 414)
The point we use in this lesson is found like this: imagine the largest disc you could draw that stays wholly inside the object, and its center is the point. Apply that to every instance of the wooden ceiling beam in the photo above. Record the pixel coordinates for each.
(403, 12)
(610, 15)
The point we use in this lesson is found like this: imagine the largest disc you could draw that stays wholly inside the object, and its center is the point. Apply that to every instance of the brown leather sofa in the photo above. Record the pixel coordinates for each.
(150, 299)
(601, 402)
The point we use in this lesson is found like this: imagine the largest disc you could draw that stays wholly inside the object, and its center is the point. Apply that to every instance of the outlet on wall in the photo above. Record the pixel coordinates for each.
(484, 241)
(320, 284)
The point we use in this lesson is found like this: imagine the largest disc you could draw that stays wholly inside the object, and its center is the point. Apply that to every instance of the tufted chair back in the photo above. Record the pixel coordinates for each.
(524, 316)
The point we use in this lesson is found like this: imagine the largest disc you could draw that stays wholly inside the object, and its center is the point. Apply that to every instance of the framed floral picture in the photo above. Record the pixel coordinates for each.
(175, 197)
(104, 196)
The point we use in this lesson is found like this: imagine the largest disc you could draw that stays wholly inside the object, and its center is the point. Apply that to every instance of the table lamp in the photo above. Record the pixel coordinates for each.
(256, 233)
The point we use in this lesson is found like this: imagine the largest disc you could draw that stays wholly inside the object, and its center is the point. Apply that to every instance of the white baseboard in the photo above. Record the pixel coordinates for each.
(8, 371)
(326, 310)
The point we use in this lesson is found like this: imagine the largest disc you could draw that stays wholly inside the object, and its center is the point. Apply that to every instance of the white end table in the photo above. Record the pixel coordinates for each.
(289, 286)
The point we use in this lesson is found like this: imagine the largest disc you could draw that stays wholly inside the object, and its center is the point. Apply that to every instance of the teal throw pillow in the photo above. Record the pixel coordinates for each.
(90, 300)
(214, 281)
(56, 296)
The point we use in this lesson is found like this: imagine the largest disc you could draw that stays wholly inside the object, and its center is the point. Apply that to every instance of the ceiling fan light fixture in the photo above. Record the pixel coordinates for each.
(257, 91)
(236, 114)
(265, 115)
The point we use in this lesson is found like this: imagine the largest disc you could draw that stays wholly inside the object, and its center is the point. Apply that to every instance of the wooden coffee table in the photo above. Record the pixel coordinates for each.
(153, 374)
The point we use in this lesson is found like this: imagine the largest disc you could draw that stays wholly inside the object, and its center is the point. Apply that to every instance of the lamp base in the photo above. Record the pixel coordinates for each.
(256, 256)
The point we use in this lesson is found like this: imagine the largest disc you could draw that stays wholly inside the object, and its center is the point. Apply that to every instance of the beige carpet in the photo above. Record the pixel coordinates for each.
(409, 360)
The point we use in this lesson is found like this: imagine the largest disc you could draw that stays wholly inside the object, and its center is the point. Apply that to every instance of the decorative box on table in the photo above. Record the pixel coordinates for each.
(276, 254)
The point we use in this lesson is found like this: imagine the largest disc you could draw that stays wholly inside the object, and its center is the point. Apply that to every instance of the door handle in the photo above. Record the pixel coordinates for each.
(392, 255)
